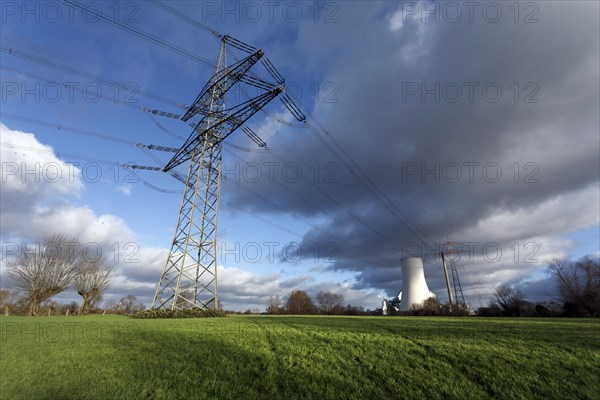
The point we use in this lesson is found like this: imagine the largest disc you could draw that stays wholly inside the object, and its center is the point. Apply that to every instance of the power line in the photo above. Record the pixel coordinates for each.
(363, 178)
(101, 96)
(59, 154)
(179, 50)
(368, 183)
(87, 158)
(82, 90)
(246, 149)
(217, 35)
(274, 205)
(66, 128)
(350, 213)
(141, 34)
(162, 128)
(185, 18)
(266, 221)
(168, 191)
(340, 205)
(312, 205)
(262, 198)
(127, 142)
(132, 143)
(304, 220)
(75, 71)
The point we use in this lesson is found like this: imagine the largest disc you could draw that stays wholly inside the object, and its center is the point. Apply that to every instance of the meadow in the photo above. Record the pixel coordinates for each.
(298, 357)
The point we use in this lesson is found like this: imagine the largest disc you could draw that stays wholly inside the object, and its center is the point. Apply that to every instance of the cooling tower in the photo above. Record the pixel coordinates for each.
(414, 287)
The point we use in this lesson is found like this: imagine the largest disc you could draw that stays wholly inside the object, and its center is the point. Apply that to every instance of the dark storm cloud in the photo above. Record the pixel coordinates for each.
(540, 290)
(544, 126)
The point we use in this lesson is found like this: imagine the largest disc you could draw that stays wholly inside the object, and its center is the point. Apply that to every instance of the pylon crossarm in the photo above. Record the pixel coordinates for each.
(257, 82)
(221, 83)
(238, 44)
(272, 70)
(236, 116)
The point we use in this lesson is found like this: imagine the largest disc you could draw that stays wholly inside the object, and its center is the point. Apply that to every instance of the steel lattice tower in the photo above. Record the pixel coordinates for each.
(458, 292)
(189, 277)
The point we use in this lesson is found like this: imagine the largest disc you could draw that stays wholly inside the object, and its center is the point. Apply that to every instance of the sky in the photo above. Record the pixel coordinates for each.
(476, 123)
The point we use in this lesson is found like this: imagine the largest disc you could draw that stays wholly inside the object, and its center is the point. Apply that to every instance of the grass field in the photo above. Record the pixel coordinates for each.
(288, 357)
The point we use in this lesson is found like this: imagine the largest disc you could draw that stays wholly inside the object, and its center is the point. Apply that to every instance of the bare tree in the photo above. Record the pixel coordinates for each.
(507, 301)
(185, 298)
(429, 306)
(110, 305)
(130, 305)
(274, 305)
(95, 302)
(579, 285)
(329, 302)
(17, 303)
(91, 280)
(299, 302)
(44, 269)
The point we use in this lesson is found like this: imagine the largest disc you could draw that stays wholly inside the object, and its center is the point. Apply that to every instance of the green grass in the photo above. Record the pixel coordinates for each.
(287, 357)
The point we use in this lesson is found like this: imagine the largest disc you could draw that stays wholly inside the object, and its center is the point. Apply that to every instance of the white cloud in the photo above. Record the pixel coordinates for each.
(400, 18)
(35, 208)
(36, 188)
(125, 189)
(240, 289)
(31, 170)
(416, 42)
(560, 215)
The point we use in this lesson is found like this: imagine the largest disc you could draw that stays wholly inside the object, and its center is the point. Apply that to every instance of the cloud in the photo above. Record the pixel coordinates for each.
(36, 201)
(540, 289)
(33, 208)
(32, 173)
(473, 131)
(240, 289)
(520, 166)
(125, 189)
(37, 189)
(397, 21)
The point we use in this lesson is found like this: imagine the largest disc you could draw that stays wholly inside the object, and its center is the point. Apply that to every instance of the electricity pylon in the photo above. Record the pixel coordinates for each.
(452, 249)
(189, 277)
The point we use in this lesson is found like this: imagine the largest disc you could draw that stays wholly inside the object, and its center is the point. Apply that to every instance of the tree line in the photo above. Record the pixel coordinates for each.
(42, 270)
(14, 302)
(578, 294)
(298, 302)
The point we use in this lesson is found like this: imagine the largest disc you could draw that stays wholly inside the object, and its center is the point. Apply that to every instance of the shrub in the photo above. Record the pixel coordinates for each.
(186, 313)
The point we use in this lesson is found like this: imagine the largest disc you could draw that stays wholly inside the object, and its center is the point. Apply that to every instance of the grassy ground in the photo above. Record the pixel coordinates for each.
(268, 357)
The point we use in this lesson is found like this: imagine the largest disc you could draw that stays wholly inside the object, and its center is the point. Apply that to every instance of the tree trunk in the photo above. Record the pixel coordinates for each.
(33, 308)
(6, 310)
(85, 306)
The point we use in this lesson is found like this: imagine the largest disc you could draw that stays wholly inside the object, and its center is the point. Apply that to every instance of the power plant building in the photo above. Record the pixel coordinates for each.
(414, 287)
